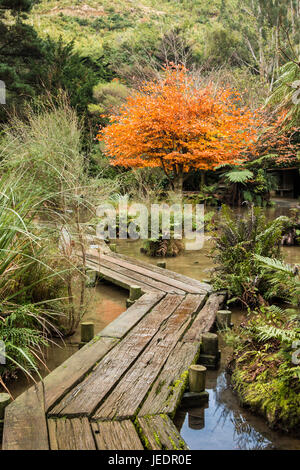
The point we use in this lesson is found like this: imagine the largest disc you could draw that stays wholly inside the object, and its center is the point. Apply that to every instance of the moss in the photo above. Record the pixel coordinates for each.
(159, 387)
(268, 392)
(157, 439)
(141, 434)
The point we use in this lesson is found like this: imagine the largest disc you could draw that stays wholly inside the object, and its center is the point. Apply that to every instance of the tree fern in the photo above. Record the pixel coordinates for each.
(239, 176)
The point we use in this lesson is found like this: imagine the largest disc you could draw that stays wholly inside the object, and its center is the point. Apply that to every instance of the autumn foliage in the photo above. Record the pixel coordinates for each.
(173, 124)
(276, 142)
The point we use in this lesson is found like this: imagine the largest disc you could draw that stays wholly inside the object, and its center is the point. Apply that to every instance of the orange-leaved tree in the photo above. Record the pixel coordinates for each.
(172, 124)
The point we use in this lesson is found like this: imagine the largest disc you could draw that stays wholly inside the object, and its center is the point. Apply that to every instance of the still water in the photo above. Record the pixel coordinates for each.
(223, 424)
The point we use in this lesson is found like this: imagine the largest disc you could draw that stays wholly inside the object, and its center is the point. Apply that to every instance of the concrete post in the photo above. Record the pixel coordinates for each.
(197, 376)
(223, 319)
(209, 344)
(135, 293)
(162, 264)
(87, 332)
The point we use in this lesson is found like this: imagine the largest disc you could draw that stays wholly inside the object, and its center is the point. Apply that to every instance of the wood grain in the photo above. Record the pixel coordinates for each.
(205, 318)
(167, 390)
(116, 435)
(128, 319)
(160, 433)
(138, 380)
(201, 287)
(71, 434)
(132, 273)
(86, 396)
(59, 382)
(25, 426)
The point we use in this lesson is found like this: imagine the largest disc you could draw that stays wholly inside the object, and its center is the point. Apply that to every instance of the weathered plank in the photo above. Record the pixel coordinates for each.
(87, 396)
(71, 434)
(69, 373)
(138, 380)
(132, 272)
(128, 319)
(116, 435)
(150, 273)
(167, 390)
(25, 426)
(119, 279)
(159, 433)
(201, 286)
(205, 318)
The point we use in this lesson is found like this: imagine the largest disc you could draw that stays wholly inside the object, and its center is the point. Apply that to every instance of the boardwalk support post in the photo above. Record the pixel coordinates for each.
(197, 376)
(87, 332)
(162, 264)
(134, 294)
(5, 400)
(224, 319)
(209, 352)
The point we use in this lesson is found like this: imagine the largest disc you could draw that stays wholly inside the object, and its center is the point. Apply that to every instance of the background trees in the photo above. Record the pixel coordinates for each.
(172, 124)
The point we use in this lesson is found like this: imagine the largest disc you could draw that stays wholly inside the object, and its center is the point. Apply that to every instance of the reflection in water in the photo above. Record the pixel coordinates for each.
(223, 424)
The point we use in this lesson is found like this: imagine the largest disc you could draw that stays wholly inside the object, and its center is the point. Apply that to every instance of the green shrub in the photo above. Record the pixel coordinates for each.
(238, 239)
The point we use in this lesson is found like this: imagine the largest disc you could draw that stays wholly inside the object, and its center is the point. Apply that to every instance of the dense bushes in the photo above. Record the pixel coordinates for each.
(264, 374)
(237, 242)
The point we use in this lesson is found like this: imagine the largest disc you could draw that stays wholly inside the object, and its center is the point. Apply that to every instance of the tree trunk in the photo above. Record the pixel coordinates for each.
(202, 179)
(178, 179)
(178, 183)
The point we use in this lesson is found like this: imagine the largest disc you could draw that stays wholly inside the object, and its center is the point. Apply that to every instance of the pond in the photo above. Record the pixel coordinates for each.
(223, 424)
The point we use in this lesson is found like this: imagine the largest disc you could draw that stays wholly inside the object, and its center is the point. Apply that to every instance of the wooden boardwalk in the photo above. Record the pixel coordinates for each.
(121, 390)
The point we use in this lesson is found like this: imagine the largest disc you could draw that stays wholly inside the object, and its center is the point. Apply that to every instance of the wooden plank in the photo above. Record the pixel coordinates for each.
(132, 273)
(116, 435)
(119, 279)
(201, 287)
(71, 434)
(128, 394)
(160, 433)
(148, 272)
(25, 426)
(205, 318)
(69, 373)
(87, 396)
(128, 319)
(167, 390)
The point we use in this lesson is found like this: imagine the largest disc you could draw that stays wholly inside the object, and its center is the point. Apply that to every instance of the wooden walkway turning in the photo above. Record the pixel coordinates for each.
(121, 390)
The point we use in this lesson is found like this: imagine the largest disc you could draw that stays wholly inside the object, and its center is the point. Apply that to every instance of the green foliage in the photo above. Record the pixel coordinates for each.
(108, 97)
(286, 93)
(48, 149)
(237, 242)
(239, 176)
(283, 279)
(27, 312)
(252, 186)
(264, 375)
